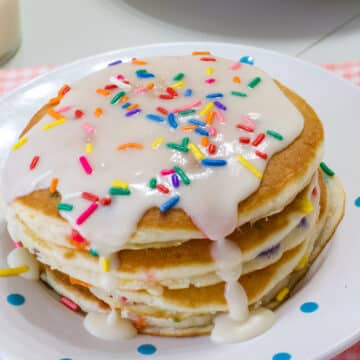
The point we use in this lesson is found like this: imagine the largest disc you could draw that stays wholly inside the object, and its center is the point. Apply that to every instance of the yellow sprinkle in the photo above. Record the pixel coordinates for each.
(20, 143)
(88, 148)
(119, 183)
(196, 151)
(307, 206)
(282, 294)
(178, 84)
(206, 109)
(157, 142)
(53, 124)
(105, 264)
(302, 263)
(14, 271)
(249, 166)
(209, 70)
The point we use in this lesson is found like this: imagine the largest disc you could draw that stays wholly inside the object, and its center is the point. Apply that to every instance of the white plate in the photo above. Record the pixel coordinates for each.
(44, 329)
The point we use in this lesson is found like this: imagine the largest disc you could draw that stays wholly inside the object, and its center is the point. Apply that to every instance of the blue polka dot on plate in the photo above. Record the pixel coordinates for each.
(15, 299)
(309, 307)
(146, 349)
(247, 60)
(357, 202)
(282, 356)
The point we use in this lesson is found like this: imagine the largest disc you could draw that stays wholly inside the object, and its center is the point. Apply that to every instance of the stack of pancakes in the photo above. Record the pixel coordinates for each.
(170, 287)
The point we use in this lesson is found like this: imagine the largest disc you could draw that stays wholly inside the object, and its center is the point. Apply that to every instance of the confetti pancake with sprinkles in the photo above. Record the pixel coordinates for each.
(185, 194)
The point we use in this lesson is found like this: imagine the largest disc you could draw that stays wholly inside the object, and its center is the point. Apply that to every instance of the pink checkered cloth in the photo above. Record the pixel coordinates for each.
(9, 79)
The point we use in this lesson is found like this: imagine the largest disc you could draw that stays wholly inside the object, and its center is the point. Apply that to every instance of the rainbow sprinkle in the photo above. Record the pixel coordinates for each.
(87, 213)
(170, 203)
(184, 178)
(196, 152)
(105, 264)
(157, 142)
(53, 124)
(86, 165)
(249, 166)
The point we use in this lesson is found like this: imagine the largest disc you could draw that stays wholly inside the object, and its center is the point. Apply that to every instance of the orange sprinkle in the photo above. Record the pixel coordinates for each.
(205, 141)
(53, 185)
(150, 85)
(98, 112)
(236, 79)
(130, 146)
(103, 91)
(140, 323)
(54, 114)
(124, 99)
(55, 101)
(63, 90)
(195, 53)
(138, 62)
(210, 117)
(132, 107)
(188, 127)
(75, 281)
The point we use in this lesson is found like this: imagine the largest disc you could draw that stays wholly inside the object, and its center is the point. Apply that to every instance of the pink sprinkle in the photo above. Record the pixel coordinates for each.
(88, 128)
(210, 81)
(219, 116)
(249, 123)
(77, 237)
(87, 213)
(167, 172)
(141, 90)
(85, 164)
(63, 109)
(18, 244)
(69, 303)
(187, 107)
(212, 131)
(235, 66)
(124, 300)
(120, 77)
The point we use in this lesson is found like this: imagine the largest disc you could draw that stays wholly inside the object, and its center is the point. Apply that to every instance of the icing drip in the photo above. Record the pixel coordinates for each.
(109, 326)
(21, 257)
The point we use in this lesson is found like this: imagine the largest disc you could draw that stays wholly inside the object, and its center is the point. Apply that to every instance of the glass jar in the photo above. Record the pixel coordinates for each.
(9, 29)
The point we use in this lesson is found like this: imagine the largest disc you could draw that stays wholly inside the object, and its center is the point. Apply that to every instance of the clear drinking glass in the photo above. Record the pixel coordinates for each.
(9, 29)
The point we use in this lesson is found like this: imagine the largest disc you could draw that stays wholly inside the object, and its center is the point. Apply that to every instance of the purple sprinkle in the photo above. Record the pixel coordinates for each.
(175, 180)
(220, 105)
(303, 222)
(270, 251)
(116, 62)
(132, 112)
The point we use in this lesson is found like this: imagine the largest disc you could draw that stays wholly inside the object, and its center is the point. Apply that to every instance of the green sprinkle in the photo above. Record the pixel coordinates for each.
(116, 98)
(152, 183)
(119, 191)
(177, 147)
(185, 141)
(254, 82)
(187, 112)
(326, 169)
(64, 207)
(178, 76)
(182, 175)
(141, 71)
(275, 134)
(177, 320)
(93, 252)
(238, 93)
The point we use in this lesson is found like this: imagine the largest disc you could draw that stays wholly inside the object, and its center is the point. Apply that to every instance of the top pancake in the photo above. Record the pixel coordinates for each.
(287, 173)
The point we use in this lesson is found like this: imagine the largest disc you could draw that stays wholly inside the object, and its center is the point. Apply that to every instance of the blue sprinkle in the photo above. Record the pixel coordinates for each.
(171, 120)
(65, 359)
(116, 62)
(170, 203)
(188, 92)
(201, 132)
(124, 106)
(144, 75)
(220, 105)
(215, 95)
(247, 60)
(213, 162)
(175, 180)
(309, 307)
(196, 122)
(303, 222)
(154, 117)
(147, 349)
(15, 299)
(282, 356)
(132, 112)
(269, 252)
(357, 202)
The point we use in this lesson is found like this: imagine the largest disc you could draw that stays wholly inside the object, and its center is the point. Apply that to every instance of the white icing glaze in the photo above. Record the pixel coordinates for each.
(227, 330)
(109, 326)
(21, 257)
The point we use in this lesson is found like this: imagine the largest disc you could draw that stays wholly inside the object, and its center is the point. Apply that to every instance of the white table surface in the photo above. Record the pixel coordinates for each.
(56, 32)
